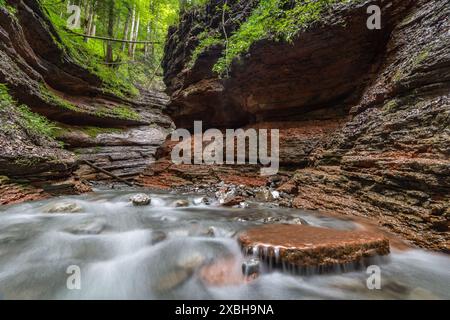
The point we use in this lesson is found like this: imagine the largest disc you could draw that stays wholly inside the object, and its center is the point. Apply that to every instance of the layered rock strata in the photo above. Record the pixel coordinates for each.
(380, 99)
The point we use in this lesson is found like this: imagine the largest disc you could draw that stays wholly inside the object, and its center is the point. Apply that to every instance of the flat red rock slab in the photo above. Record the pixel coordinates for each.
(306, 246)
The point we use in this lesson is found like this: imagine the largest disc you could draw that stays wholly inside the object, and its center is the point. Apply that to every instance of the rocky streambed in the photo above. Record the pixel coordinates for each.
(190, 246)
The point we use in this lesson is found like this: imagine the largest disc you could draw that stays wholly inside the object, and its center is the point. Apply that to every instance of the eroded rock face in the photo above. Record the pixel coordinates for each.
(305, 246)
(38, 72)
(276, 80)
(363, 115)
(391, 160)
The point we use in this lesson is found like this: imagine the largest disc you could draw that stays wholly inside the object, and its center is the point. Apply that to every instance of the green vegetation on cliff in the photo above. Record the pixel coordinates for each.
(33, 123)
(120, 112)
(278, 20)
(7, 7)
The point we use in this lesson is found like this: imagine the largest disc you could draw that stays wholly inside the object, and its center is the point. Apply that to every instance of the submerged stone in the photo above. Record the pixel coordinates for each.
(306, 246)
(65, 207)
(87, 228)
(222, 272)
(172, 280)
(181, 203)
(158, 236)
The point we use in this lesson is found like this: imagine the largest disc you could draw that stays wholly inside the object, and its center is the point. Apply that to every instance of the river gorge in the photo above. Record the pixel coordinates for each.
(356, 134)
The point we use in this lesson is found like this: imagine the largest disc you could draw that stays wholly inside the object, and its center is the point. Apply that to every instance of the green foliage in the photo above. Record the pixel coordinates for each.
(126, 71)
(207, 40)
(278, 20)
(33, 123)
(272, 20)
(5, 98)
(93, 132)
(12, 10)
(89, 55)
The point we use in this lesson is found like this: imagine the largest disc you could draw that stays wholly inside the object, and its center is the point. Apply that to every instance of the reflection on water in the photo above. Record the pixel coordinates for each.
(163, 252)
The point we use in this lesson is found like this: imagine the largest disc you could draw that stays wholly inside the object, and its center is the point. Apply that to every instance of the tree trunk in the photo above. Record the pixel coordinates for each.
(136, 34)
(90, 20)
(133, 21)
(109, 47)
(126, 30)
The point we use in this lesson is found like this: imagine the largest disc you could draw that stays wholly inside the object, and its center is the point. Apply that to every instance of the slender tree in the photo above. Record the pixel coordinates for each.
(109, 47)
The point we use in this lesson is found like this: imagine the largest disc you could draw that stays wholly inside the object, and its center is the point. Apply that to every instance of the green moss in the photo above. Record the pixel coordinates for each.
(411, 64)
(12, 10)
(54, 99)
(32, 122)
(121, 112)
(420, 58)
(4, 180)
(26, 162)
(125, 112)
(390, 106)
(399, 75)
(5, 98)
(93, 132)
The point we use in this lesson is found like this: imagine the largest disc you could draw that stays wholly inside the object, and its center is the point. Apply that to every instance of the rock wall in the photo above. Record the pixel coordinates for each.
(364, 114)
(37, 69)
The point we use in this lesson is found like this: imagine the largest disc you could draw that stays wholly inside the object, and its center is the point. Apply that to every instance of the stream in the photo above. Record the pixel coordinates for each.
(160, 252)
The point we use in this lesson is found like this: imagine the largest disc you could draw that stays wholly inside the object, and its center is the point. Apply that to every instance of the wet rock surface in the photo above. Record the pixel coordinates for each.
(364, 124)
(251, 267)
(312, 247)
(17, 191)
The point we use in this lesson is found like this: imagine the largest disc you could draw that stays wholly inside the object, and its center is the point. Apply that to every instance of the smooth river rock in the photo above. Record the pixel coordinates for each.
(64, 207)
(306, 246)
(141, 200)
(181, 203)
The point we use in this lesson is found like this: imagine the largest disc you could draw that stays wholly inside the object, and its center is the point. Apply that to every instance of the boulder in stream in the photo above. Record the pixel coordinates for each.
(182, 203)
(141, 199)
(233, 201)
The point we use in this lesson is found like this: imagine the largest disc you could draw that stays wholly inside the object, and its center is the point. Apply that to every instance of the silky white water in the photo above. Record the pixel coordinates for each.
(158, 251)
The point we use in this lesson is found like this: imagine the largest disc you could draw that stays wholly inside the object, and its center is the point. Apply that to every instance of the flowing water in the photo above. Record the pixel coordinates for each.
(160, 252)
